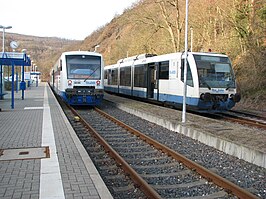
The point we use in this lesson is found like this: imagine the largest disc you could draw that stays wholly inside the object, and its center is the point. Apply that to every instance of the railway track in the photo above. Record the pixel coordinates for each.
(154, 168)
(245, 119)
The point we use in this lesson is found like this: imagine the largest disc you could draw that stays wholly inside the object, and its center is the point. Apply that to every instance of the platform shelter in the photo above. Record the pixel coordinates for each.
(13, 59)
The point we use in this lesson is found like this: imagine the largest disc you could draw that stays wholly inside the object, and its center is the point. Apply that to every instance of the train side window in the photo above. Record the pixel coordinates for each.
(105, 74)
(164, 70)
(189, 74)
(109, 76)
(114, 75)
(125, 76)
(140, 74)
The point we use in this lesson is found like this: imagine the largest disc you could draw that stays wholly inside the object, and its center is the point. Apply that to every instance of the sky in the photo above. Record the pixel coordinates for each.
(69, 19)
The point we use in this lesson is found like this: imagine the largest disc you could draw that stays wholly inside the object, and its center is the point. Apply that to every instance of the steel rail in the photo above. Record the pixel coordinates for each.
(244, 121)
(262, 117)
(138, 180)
(209, 175)
(247, 121)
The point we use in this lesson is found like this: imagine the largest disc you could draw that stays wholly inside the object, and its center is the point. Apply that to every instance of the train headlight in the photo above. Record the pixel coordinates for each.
(206, 97)
(98, 82)
(235, 97)
(69, 82)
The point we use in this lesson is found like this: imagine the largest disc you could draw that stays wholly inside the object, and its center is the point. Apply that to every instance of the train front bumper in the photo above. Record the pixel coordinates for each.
(217, 103)
(83, 96)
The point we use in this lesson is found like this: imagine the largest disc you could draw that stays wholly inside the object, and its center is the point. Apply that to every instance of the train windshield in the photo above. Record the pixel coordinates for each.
(214, 72)
(83, 67)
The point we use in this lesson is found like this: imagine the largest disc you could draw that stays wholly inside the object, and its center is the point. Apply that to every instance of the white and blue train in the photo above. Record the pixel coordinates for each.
(211, 85)
(77, 77)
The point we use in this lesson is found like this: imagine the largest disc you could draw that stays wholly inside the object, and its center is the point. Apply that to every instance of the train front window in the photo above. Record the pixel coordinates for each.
(214, 72)
(83, 67)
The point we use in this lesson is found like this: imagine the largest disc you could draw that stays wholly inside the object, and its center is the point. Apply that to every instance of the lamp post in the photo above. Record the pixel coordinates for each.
(1, 69)
(185, 67)
(191, 39)
(4, 27)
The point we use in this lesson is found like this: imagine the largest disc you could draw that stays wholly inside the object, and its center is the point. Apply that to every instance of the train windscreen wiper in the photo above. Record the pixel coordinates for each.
(204, 82)
(91, 74)
(230, 85)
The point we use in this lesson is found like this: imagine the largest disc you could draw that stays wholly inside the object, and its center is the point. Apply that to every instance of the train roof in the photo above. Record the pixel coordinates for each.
(135, 57)
(110, 66)
(142, 58)
(209, 54)
(81, 53)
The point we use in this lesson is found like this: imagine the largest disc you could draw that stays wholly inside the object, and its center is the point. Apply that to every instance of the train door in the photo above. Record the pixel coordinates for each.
(151, 81)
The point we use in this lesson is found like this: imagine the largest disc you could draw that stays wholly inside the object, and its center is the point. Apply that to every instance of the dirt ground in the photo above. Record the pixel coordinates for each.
(256, 107)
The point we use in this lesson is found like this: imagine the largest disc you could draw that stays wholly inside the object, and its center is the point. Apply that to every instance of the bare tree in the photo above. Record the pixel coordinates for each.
(167, 18)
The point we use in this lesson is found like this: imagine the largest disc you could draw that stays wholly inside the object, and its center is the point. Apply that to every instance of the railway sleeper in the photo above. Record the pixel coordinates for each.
(182, 185)
(171, 174)
(219, 194)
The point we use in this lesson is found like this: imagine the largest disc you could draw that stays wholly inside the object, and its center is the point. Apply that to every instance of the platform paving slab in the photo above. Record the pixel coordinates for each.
(25, 127)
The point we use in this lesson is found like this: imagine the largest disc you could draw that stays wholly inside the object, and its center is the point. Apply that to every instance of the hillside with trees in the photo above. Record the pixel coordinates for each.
(234, 27)
(42, 50)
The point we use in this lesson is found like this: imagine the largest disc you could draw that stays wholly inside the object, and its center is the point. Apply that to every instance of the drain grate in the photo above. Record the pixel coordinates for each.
(24, 153)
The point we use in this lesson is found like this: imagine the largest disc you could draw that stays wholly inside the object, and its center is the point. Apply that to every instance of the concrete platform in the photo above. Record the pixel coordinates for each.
(40, 154)
(234, 139)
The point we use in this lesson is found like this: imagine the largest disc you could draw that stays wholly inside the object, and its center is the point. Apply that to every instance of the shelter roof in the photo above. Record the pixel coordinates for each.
(14, 58)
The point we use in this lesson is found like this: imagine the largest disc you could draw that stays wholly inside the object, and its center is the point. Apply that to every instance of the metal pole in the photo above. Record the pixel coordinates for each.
(3, 48)
(191, 39)
(12, 85)
(23, 78)
(1, 82)
(16, 82)
(185, 68)
(4, 27)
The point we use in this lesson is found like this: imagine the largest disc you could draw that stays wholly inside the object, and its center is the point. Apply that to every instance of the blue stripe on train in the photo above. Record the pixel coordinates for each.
(91, 100)
(194, 103)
